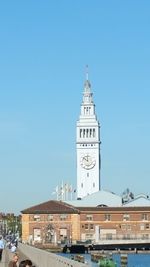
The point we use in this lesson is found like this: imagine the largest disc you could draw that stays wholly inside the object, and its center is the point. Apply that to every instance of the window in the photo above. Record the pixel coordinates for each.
(147, 226)
(89, 217)
(82, 185)
(37, 235)
(63, 217)
(126, 217)
(37, 218)
(90, 132)
(91, 226)
(80, 133)
(63, 232)
(144, 217)
(107, 217)
(142, 226)
(86, 227)
(50, 217)
(93, 184)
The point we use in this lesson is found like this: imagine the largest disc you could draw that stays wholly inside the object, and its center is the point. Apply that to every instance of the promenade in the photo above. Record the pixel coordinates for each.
(39, 257)
(7, 256)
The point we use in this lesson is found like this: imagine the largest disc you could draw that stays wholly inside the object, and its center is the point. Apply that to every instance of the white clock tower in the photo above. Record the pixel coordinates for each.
(88, 146)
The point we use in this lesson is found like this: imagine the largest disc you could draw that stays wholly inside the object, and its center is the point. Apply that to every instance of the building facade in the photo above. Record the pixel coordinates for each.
(88, 146)
(55, 222)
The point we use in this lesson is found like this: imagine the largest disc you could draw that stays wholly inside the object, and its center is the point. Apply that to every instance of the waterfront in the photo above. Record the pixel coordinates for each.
(134, 260)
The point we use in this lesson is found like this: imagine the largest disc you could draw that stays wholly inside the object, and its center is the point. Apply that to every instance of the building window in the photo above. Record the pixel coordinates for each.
(63, 232)
(82, 185)
(87, 174)
(50, 217)
(142, 227)
(63, 217)
(36, 218)
(107, 217)
(126, 217)
(93, 184)
(147, 226)
(144, 217)
(37, 235)
(89, 217)
(86, 227)
(91, 226)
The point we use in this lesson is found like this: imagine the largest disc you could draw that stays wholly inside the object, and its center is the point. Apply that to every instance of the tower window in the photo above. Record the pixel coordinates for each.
(83, 133)
(87, 174)
(80, 133)
(90, 132)
(82, 185)
(87, 131)
(93, 184)
(93, 132)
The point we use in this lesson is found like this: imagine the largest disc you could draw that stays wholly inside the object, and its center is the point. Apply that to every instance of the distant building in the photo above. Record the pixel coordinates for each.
(55, 222)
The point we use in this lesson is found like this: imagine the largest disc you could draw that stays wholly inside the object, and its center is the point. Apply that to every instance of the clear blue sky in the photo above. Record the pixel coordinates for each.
(44, 47)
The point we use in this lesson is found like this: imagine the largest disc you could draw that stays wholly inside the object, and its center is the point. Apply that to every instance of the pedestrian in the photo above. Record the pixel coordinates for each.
(25, 263)
(13, 262)
(13, 248)
(1, 247)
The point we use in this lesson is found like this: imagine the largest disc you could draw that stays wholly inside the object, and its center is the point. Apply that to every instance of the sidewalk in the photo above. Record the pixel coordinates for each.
(7, 256)
(5, 259)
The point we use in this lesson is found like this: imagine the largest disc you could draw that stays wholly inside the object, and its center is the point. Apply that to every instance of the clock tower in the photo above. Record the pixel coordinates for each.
(88, 146)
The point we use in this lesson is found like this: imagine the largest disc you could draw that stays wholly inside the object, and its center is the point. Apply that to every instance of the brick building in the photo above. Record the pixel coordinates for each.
(56, 221)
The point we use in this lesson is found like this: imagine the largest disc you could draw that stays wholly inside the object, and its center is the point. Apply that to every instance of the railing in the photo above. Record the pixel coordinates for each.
(42, 258)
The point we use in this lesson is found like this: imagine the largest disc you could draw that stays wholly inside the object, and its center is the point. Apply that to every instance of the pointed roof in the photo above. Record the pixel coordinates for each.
(51, 207)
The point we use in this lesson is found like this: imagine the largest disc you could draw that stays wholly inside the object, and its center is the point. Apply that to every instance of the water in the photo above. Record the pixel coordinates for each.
(134, 260)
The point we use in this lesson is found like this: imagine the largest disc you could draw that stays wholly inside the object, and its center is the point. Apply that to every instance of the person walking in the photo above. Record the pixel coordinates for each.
(1, 247)
(14, 261)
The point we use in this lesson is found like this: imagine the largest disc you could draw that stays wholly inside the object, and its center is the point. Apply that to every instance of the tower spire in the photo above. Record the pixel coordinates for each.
(87, 85)
(87, 72)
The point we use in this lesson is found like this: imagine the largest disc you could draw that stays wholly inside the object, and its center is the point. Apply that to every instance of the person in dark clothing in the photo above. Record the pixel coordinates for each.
(25, 263)
(1, 247)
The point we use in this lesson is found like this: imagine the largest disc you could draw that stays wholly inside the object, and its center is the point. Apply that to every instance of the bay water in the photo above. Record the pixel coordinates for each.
(134, 260)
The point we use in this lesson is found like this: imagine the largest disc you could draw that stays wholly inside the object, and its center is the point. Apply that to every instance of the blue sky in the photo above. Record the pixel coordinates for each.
(44, 47)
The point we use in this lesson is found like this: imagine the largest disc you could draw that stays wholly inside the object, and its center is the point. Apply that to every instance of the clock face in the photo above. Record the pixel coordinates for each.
(88, 162)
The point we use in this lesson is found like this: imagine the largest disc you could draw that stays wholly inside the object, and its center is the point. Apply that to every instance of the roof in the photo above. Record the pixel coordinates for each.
(140, 200)
(100, 198)
(51, 207)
